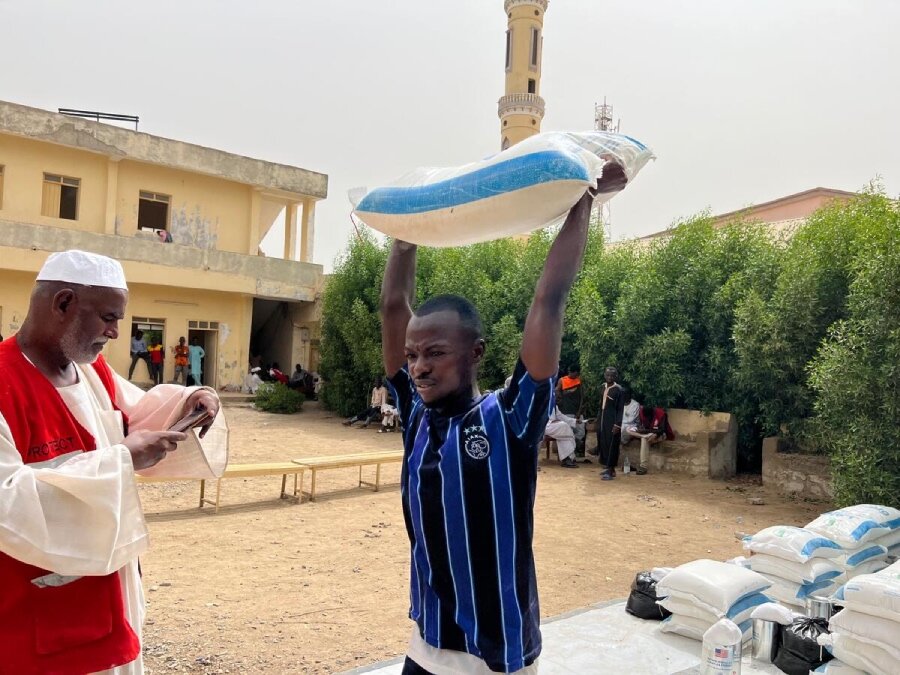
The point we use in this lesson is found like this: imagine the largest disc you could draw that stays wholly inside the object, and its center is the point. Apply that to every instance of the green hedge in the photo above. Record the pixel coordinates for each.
(275, 397)
(727, 318)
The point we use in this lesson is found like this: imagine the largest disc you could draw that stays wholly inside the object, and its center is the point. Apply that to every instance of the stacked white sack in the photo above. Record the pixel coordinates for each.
(865, 634)
(796, 561)
(868, 533)
(702, 592)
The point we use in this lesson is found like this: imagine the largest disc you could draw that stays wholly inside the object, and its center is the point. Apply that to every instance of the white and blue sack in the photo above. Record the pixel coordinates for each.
(531, 185)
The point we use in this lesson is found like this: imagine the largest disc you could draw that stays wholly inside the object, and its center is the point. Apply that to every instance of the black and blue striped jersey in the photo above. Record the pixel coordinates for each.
(468, 487)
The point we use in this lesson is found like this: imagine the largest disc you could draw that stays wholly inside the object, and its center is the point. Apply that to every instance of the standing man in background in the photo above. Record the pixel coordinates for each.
(609, 424)
(196, 355)
(157, 360)
(139, 353)
(182, 352)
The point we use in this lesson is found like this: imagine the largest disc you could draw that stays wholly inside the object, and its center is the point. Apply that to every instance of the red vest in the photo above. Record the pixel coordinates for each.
(79, 627)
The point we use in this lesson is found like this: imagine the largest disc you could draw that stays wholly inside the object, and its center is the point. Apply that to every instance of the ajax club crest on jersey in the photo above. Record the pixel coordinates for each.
(475, 442)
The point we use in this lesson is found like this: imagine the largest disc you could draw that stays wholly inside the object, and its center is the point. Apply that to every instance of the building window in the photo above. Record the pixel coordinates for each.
(1, 186)
(532, 86)
(153, 211)
(60, 197)
(535, 44)
(508, 49)
(204, 325)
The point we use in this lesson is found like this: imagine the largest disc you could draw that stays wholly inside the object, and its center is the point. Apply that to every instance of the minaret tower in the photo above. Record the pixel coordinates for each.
(521, 109)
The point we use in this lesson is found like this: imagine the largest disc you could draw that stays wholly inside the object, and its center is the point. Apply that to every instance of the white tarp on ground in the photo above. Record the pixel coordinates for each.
(606, 639)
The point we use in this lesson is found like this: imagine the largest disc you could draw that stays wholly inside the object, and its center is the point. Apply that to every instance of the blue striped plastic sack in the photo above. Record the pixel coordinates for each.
(526, 187)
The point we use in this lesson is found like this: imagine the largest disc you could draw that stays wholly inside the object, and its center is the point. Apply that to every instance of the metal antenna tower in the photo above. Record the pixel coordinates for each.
(603, 121)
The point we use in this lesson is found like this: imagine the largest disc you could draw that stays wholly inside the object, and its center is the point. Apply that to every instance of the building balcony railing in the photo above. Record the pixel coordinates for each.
(509, 4)
(521, 104)
(172, 264)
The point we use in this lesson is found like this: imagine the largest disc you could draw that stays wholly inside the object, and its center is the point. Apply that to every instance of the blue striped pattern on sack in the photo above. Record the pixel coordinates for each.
(820, 542)
(745, 603)
(513, 174)
(808, 589)
(860, 531)
(870, 552)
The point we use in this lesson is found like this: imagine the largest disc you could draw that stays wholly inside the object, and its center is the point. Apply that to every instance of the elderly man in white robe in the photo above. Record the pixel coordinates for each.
(565, 430)
(72, 435)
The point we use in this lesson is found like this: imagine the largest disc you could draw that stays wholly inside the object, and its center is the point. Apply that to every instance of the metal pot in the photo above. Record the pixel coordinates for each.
(766, 635)
(820, 607)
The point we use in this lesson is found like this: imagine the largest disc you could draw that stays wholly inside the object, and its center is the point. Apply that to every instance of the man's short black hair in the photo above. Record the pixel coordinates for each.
(468, 315)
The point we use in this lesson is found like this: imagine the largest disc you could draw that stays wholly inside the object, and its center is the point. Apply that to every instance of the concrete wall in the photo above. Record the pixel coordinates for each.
(176, 307)
(704, 445)
(220, 208)
(204, 212)
(26, 162)
(795, 475)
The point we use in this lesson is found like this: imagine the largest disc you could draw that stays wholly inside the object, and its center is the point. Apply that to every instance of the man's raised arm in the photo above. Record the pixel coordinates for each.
(397, 291)
(543, 327)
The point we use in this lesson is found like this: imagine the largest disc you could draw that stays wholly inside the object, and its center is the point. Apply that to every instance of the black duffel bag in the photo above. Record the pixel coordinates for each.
(799, 651)
(642, 600)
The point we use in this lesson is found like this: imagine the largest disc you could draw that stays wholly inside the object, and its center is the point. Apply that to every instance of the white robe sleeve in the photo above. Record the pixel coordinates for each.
(157, 410)
(79, 517)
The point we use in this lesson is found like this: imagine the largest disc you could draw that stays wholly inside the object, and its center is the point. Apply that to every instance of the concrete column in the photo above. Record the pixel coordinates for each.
(112, 195)
(290, 231)
(255, 206)
(308, 230)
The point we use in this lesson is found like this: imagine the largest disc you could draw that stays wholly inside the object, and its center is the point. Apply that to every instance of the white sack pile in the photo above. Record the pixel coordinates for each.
(702, 592)
(866, 633)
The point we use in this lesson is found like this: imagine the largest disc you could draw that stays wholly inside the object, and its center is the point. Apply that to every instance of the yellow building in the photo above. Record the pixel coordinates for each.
(521, 109)
(72, 183)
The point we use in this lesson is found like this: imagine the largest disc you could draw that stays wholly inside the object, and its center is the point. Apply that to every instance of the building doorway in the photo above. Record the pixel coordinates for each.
(207, 336)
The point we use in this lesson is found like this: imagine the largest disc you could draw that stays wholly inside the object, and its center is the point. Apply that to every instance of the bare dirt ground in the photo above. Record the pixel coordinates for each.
(272, 586)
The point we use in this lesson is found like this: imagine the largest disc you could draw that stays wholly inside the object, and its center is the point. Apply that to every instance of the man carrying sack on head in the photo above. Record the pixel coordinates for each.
(72, 435)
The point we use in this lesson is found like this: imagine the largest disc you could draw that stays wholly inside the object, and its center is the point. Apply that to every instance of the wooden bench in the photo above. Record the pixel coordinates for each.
(244, 471)
(361, 459)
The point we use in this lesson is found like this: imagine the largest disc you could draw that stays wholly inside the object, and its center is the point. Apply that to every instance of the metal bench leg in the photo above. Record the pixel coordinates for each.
(300, 498)
(377, 476)
(360, 476)
(312, 489)
(283, 485)
(295, 484)
(202, 492)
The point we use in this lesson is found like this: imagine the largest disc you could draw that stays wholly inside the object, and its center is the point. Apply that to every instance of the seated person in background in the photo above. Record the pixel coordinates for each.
(373, 412)
(390, 417)
(569, 397)
(298, 378)
(630, 415)
(569, 392)
(565, 430)
(652, 427)
(252, 381)
(276, 374)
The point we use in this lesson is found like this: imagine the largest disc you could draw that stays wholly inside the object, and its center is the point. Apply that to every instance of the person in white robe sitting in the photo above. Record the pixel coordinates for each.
(72, 435)
(565, 430)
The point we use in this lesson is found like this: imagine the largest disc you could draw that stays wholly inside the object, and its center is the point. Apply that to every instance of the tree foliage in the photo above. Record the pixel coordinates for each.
(727, 318)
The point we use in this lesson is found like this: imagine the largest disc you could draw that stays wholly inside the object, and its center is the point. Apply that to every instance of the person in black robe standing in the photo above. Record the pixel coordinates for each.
(609, 427)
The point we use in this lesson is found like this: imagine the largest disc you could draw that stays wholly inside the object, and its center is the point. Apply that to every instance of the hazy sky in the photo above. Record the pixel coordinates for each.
(742, 100)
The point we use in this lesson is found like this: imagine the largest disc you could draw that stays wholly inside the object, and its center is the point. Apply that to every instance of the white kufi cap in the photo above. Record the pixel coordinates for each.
(81, 267)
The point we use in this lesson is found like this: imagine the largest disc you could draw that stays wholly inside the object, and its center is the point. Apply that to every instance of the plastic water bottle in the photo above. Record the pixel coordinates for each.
(626, 467)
